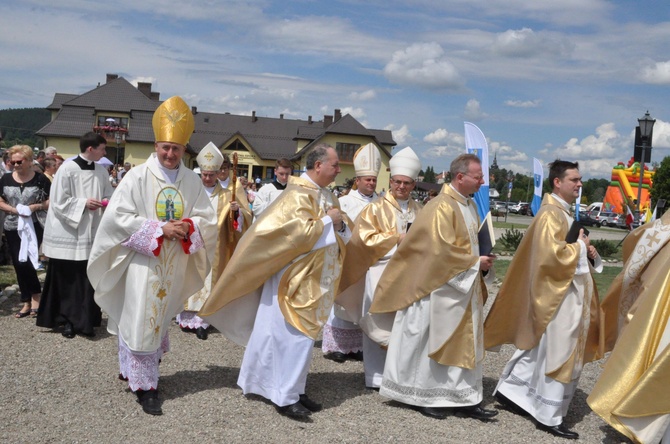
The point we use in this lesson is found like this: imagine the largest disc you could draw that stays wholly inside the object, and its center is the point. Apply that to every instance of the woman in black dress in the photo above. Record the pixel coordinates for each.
(29, 191)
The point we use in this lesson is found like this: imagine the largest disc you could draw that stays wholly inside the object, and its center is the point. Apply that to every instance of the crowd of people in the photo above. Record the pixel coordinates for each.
(381, 278)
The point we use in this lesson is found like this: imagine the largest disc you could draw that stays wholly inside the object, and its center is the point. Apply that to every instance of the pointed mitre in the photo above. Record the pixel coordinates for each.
(405, 163)
(173, 121)
(210, 158)
(367, 161)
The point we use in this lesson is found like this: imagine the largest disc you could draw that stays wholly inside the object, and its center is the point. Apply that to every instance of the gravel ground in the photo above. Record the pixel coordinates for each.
(66, 390)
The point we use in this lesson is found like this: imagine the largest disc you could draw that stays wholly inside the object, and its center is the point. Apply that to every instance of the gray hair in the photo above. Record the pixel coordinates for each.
(319, 153)
(461, 164)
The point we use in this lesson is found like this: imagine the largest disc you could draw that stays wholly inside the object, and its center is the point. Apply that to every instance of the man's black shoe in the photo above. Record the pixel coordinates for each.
(474, 412)
(433, 412)
(355, 356)
(149, 401)
(68, 330)
(294, 411)
(509, 405)
(558, 430)
(336, 356)
(201, 333)
(309, 404)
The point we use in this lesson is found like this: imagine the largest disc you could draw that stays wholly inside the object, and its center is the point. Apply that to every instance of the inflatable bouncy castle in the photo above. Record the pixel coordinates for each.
(623, 188)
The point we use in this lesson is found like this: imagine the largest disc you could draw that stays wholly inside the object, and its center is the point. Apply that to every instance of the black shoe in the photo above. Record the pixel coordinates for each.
(149, 401)
(474, 412)
(68, 330)
(309, 404)
(357, 356)
(187, 330)
(433, 412)
(509, 405)
(201, 333)
(336, 356)
(558, 430)
(294, 411)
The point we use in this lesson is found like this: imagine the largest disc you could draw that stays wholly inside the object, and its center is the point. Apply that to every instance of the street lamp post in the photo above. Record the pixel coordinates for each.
(510, 180)
(646, 126)
(117, 138)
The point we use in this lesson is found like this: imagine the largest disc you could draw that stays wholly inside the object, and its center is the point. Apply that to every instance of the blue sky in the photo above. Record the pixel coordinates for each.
(546, 79)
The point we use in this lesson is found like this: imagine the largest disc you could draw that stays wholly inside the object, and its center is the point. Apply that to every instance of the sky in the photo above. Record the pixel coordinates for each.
(549, 79)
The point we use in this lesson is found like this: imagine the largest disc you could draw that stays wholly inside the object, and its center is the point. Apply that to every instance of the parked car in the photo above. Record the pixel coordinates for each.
(525, 209)
(516, 207)
(607, 219)
(498, 207)
(587, 220)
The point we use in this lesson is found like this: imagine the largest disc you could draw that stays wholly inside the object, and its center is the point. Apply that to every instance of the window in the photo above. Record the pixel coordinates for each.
(346, 151)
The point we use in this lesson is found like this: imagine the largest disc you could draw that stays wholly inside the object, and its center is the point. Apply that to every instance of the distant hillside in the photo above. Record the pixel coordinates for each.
(18, 126)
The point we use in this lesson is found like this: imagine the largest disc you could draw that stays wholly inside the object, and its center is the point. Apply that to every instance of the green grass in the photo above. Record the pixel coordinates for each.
(603, 280)
(7, 276)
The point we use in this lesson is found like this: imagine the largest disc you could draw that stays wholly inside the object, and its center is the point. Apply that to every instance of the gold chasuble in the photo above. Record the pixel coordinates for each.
(374, 235)
(281, 240)
(439, 231)
(632, 392)
(539, 276)
(220, 200)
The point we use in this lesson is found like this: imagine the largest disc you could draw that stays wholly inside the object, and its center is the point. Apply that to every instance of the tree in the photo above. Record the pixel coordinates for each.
(18, 126)
(429, 176)
(661, 187)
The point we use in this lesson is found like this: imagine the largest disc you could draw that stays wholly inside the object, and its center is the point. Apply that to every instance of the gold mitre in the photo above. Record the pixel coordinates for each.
(173, 121)
(210, 158)
(405, 163)
(367, 161)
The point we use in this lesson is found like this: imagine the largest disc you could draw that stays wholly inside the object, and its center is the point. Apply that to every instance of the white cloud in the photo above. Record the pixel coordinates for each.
(603, 144)
(370, 94)
(523, 103)
(441, 151)
(473, 111)
(424, 65)
(401, 135)
(441, 136)
(526, 42)
(357, 113)
(658, 74)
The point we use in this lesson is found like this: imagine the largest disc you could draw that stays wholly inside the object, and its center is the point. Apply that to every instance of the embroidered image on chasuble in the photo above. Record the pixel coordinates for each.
(282, 239)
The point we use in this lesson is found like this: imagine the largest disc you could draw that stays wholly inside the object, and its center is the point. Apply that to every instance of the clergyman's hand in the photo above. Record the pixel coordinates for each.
(486, 262)
(336, 217)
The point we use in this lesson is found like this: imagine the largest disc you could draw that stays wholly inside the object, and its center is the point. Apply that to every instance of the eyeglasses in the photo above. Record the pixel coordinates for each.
(477, 178)
(401, 182)
(16, 162)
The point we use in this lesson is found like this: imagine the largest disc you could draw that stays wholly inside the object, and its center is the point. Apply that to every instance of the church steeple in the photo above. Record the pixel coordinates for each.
(494, 165)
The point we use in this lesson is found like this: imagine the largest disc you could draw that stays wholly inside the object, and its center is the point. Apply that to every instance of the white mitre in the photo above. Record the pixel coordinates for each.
(210, 158)
(405, 163)
(367, 161)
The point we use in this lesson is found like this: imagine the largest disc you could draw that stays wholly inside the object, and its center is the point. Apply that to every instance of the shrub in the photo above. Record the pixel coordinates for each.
(511, 239)
(606, 248)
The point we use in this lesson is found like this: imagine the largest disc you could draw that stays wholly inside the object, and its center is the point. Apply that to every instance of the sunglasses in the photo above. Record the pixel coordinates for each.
(16, 162)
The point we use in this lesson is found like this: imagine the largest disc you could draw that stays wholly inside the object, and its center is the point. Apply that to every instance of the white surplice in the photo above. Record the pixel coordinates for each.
(410, 375)
(71, 227)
